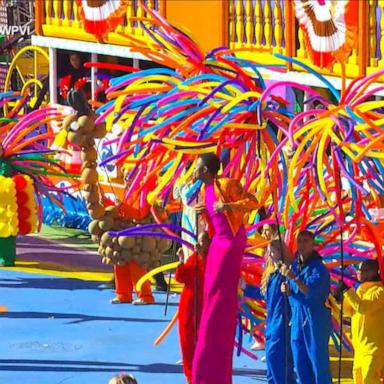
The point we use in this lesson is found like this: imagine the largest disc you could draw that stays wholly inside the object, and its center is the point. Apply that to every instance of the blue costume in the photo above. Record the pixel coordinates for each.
(277, 344)
(311, 322)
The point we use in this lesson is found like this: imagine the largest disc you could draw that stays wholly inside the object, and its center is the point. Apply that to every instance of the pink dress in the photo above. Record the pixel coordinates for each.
(212, 363)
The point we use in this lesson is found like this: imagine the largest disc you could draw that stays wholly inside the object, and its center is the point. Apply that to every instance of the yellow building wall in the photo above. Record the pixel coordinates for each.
(204, 20)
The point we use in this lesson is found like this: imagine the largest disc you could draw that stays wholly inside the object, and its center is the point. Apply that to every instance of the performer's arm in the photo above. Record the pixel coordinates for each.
(241, 200)
(371, 303)
(184, 270)
(181, 269)
(347, 309)
(315, 286)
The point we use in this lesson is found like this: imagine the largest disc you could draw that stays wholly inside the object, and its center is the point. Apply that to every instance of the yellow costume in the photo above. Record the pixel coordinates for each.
(366, 308)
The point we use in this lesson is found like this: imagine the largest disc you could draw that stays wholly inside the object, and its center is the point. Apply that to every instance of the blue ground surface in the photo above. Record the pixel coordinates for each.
(63, 330)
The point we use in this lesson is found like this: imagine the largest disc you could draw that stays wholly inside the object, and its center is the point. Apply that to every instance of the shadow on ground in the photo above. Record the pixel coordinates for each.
(77, 317)
(51, 283)
(99, 366)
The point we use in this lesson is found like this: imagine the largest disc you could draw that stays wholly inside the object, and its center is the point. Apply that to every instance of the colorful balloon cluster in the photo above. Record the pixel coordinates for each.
(18, 211)
(80, 130)
(8, 208)
(26, 164)
(27, 210)
(320, 168)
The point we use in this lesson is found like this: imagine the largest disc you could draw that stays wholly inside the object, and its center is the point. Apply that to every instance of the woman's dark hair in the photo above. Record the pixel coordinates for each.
(212, 162)
(75, 54)
(306, 233)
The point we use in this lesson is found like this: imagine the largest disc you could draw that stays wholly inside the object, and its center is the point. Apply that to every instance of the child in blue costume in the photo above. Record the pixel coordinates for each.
(277, 336)
(308, 289)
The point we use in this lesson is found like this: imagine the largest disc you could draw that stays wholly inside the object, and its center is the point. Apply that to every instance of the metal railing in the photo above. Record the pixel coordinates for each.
(61, 18)
(269, 25)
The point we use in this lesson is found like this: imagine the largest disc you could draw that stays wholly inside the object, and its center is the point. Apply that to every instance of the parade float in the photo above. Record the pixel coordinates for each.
(314, 161)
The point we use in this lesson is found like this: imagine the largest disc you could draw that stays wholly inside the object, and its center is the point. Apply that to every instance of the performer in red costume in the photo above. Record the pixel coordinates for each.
(186, 274)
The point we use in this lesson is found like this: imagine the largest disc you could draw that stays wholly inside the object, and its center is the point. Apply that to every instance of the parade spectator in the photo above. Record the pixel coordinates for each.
(308, 289)
(76, 77)
(76, 70)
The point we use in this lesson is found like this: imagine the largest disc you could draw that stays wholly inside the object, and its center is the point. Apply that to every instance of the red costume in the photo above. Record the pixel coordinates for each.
(126, 277)
(185, 273)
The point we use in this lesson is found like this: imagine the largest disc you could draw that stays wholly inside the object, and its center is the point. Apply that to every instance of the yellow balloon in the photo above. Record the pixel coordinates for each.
(60, 138)
(319, 158)
(150, 274)
(239, 99)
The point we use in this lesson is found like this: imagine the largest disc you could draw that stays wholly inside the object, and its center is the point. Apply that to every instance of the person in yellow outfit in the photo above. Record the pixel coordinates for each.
(365, 306)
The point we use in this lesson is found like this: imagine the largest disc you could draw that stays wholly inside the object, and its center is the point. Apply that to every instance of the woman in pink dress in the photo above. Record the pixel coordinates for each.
(225, 204)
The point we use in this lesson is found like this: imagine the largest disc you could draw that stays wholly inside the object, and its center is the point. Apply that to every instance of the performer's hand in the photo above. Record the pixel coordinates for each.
(219, 206)
(200, 208)
(180, 254)
(198, 248)
(194, 176)
(285, 288)
(339, 291)
(160, 210)
(286, 271)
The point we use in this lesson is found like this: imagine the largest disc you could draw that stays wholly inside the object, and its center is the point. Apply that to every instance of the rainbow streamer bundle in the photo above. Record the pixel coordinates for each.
(319, 169)
(26, 164)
